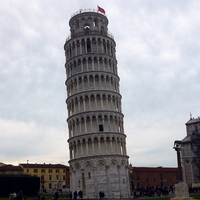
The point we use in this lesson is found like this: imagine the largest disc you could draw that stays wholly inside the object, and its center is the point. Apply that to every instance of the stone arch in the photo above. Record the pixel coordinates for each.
(95, 63)
(96, 144)
(92, 102)
(113, 166)
(101, 64)
(89, 64)
(89, 141)
(107, 82)
(108, 47)
(98, 100)
(94, 123)
(106, 123)
(83, 45)
(104, 46)
(81, 104)
(100, 123)
(78, 47)
(88, 167)
(87, 106)
(99, 45)
(101, 165)
(91, 82)
(96, 78)
(84, 65)
(88, 45)
(77, 166)
(79, 66)
(109, 65)
(73, 49)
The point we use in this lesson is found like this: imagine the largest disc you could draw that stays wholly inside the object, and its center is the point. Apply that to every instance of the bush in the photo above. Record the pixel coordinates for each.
(28, 184)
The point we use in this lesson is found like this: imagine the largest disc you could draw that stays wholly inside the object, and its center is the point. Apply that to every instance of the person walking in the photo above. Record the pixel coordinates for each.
(75, 194)
(80, 194)
(70, 195)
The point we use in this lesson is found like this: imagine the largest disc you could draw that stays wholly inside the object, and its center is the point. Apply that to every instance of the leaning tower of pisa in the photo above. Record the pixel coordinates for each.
(97, 142)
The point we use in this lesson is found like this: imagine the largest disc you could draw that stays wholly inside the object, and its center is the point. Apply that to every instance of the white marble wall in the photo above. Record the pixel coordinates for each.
(108, 174)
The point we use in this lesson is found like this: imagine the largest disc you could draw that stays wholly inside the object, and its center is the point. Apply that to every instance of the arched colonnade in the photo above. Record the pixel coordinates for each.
(90, 44)
(97, 145)
(93, 81)
(92, 123)
(93, 102)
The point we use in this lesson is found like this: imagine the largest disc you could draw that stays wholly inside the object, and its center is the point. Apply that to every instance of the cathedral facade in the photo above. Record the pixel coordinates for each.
(97, 142)
(190, 153)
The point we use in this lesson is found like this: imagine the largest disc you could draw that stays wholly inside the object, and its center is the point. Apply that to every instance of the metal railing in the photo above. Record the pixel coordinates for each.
(87, 10)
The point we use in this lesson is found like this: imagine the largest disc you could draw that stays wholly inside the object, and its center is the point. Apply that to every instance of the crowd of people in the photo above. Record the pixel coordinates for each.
(159, 191)
(137, 193)
(153, 191)
(76, 194)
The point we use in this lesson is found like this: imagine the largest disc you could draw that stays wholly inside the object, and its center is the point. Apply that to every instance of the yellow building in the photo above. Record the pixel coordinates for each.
(52, 176)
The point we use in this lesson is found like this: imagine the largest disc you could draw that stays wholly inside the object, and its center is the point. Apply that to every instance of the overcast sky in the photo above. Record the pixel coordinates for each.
(158, 53)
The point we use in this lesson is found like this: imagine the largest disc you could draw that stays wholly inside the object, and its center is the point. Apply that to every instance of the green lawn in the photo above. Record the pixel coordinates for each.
(197, 196)
(168, 198)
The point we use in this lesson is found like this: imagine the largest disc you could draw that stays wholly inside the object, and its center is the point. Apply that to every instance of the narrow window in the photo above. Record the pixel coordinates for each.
(101, 128)
(42, 178)
(161, 177)
(138, 176)
(88, 46)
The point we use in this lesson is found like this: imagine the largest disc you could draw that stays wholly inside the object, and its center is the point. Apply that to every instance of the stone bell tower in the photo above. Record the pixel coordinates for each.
(97, 142)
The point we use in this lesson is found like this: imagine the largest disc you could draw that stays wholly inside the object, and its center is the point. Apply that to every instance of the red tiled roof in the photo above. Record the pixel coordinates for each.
(29, 165)
(11, 168)
(154, 169)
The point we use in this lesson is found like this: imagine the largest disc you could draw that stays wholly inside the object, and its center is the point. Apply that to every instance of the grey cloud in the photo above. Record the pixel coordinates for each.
(158, 64)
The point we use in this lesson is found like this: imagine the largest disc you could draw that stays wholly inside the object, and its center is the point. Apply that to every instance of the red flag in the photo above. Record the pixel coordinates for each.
(101, 9)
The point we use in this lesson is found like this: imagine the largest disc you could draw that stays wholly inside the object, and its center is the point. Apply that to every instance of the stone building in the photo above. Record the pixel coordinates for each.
(144, 177)
(52, 176)
(97, 142)
(190, 153)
